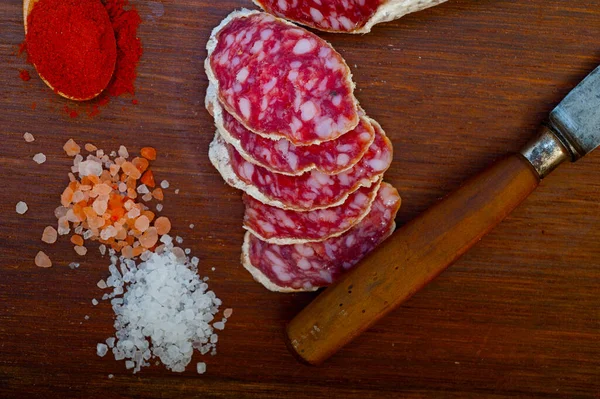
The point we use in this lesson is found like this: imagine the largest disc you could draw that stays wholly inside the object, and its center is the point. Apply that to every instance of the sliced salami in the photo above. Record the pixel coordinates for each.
(279, 80)
(282, 156)
(344, 16)
(307, 267)
(279, 226)
(313, 190)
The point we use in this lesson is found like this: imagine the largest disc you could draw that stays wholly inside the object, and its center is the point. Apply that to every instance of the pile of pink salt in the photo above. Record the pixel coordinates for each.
(107, 200)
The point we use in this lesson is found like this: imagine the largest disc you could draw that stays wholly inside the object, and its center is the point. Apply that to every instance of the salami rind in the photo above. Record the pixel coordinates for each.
(343, 16)
(279, 80)
(281, 156)
(313, 190)
(307, 267)
(284, 227)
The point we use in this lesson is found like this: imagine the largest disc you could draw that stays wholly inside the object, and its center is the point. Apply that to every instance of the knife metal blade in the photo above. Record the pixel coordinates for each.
(576, 120)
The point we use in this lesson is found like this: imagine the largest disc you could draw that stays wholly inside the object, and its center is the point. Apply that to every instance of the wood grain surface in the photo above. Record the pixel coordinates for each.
(456, 87)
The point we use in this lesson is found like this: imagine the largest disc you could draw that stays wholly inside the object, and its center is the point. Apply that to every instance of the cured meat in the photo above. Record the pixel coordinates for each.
(279, 80)
(282, 156)
(306, 267)
(344, 16)
(278, 226)
(313, 190)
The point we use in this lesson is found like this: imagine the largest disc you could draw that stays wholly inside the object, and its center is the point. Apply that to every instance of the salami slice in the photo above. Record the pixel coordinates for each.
(344, 16)
(313, 190)
(282, 156)
(307, 267)
(279, 80)
(278, 226)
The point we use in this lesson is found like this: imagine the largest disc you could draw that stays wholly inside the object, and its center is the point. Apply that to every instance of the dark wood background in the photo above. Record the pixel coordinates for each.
(456, 87)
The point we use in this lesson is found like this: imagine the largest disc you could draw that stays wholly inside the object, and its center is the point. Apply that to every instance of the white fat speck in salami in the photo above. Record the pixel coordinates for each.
(279, 80)
(312, 190)
(282, 156)
(306, 267)
(344, 16)
(279, 226)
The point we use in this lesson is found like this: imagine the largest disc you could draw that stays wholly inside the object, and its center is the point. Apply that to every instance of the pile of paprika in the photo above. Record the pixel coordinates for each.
(74, 58)
(72, 45)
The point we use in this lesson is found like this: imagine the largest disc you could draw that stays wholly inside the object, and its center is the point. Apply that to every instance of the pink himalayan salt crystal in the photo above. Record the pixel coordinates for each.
(163, 225)
(49, 235)
(227, 313)
(28, 137)
(71, 148)
(80, 250)
(142, 223)
(42, 260)
(100, 206)
(149, 238)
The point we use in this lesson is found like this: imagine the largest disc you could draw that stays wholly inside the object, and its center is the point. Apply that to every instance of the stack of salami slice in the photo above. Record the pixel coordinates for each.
(291, 135)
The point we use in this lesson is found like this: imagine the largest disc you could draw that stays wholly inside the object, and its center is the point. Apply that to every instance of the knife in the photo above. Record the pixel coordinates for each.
(419, 251)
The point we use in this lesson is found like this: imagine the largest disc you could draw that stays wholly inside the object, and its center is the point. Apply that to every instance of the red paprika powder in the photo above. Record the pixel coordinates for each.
(72, 45)
(124, 21)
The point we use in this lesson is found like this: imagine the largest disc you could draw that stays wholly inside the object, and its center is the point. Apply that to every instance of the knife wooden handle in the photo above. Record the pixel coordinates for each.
(413, 256)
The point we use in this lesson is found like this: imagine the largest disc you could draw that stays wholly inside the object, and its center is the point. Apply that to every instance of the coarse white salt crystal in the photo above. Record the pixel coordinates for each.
(159, 207)
(110, 376)
(102, 249)
(39, 158)
(21, 207)
(178, 239)
(227, 313)
(28, 137)
(94, 301)
(164, 184)
(176, 191)
(201, 368)
(219, 325)
(195, 261)
(101, 350)
(86, 317)
(73, 265)
(123, 152)
(187, 251)
(101, 284)
(192, 226)
(213, 269)
(110, 342)
(142, 189)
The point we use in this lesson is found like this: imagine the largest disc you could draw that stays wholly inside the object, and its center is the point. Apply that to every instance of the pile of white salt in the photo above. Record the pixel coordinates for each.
(163, 309)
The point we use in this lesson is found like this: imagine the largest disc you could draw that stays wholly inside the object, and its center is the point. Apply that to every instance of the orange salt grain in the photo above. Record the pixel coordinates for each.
(130, 170)
(42, 260)
(163, 225)
(148, 153)
(77, 240)
(158, 194)
(90, 147)
(140, 163)
(71, 148)
(66, 197)
(127, 252)
(137, 251)
(148, 179)
(49, 235)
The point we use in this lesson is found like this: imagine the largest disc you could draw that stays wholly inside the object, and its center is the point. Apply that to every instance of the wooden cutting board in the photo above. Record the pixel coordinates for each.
(455, 87)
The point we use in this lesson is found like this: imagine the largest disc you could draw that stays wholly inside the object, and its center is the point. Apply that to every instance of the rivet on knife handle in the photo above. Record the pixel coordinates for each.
(426, 246)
